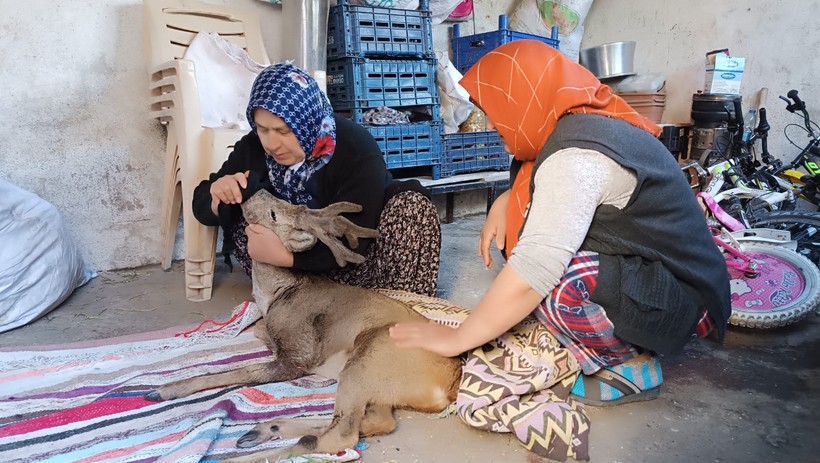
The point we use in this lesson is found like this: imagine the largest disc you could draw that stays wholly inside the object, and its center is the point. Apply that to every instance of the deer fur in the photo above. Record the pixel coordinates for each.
(315, 325)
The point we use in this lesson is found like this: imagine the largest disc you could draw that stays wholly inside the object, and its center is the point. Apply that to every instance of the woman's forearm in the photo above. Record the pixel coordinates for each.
(508, 301)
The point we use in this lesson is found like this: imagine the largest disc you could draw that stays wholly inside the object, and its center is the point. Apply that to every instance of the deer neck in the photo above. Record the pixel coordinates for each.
(271, 283)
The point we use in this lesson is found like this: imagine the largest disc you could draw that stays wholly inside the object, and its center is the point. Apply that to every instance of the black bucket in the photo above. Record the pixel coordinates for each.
(711, 113)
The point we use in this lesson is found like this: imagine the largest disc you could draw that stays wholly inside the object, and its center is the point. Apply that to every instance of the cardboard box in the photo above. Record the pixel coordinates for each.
(723, 72)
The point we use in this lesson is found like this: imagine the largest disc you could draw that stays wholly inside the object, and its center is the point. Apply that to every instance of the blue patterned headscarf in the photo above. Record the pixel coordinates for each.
(293, 95)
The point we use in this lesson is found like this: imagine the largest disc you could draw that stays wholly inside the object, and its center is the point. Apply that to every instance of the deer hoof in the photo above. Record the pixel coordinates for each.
(250, 439)
(154, 396)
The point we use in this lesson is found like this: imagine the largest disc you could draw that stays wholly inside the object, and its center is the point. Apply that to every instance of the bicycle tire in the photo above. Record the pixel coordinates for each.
(786, 290)
(803, 225)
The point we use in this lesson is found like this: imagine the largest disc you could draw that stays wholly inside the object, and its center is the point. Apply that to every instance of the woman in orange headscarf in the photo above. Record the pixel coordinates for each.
(605, 241)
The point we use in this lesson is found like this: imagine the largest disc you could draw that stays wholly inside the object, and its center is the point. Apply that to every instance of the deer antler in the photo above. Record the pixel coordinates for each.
(327, 225)
(299, 226)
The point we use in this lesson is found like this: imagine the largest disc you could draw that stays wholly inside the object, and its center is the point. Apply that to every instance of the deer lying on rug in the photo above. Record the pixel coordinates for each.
(314, 325)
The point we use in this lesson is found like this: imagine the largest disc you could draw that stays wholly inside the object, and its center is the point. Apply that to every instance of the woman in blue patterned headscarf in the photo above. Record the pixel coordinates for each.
(294, 99)
(302, 152)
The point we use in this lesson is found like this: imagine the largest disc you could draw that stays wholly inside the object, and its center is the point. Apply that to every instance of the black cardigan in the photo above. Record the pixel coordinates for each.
(356, 173)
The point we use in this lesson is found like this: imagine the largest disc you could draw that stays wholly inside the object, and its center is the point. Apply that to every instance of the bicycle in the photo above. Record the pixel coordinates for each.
(810, 185)
(802, 226)
(771, 285)
(737, 163)
(758, 193)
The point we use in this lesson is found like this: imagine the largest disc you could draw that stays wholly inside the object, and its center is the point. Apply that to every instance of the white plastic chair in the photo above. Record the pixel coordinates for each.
(192, 151)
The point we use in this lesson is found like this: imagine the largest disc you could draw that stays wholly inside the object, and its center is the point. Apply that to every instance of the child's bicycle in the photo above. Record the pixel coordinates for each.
(807, 157)
(771, 284)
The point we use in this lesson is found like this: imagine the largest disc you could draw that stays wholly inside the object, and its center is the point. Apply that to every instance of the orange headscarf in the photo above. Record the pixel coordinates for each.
(524, 87)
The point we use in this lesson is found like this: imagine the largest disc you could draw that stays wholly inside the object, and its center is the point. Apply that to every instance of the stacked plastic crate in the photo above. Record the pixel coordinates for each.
(477, 151)
(384, 57)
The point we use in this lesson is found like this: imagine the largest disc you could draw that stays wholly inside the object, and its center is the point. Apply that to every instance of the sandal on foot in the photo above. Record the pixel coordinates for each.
(619, 384)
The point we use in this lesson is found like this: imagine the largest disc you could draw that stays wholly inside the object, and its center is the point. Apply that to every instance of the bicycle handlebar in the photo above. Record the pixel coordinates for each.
(798, 105)
(762, 132)
(738, 137)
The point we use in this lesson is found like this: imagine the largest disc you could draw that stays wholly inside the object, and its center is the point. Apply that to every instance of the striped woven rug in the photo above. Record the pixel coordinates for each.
(83, 402)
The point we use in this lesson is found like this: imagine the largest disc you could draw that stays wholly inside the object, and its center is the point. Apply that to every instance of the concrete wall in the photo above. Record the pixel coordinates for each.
(74, 119)
(778, 38)
(73, 98)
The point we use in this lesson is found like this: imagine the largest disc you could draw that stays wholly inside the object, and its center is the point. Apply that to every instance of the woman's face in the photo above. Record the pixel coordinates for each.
(277, 139)
(491, 127)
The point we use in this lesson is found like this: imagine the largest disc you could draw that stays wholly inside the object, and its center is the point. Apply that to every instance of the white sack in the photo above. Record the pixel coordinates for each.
(40, 264)
(538, 16)
(455, 101)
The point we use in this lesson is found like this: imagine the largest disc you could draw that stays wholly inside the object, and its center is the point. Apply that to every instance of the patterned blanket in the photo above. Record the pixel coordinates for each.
(84, 402)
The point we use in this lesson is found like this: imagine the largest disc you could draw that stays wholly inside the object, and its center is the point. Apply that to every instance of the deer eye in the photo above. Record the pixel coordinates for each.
(272, 216)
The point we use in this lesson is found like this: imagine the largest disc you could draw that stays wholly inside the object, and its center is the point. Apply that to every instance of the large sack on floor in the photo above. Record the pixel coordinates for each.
(40, 264)
(538, 16)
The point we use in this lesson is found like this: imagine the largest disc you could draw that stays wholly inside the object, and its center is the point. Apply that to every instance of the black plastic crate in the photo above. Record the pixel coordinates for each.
(409, 145)
(674, 137)
(361, 83)
(469, 49)
(472, 152)
(367, 31)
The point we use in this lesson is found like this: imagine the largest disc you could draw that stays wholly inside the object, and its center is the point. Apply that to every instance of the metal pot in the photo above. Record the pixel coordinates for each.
(610, 60)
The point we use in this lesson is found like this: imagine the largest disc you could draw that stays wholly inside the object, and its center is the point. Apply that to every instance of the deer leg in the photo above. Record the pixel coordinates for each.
(283, 428)
(378, 420)
(342, 433)
(268, 372)
(260, 331)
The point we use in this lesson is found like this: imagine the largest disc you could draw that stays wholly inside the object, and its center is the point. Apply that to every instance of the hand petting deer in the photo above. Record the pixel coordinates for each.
(315, 325)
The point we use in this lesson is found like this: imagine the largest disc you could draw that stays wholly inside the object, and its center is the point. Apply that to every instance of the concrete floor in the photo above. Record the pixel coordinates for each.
(755, 398)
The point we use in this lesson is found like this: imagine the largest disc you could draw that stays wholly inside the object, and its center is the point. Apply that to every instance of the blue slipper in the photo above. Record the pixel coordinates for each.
(619, 384)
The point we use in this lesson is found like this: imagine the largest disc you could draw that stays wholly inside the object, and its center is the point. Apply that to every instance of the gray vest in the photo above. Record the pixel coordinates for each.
(659, 265)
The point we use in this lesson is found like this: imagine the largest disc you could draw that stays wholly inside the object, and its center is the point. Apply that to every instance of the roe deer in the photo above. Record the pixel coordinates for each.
(315, 325)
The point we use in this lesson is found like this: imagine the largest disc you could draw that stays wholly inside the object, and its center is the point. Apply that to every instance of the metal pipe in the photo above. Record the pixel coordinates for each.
(305, 33)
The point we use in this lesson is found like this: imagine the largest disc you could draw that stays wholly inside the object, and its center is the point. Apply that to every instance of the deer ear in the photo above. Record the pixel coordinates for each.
(298, 241)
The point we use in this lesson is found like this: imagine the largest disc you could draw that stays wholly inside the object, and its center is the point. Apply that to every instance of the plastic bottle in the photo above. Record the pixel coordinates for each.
(749, 124)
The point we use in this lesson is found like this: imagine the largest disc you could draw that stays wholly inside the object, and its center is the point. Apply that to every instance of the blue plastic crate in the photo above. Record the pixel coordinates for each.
(362, 31)
(408, 145)
(368, 83)
(469, 49)
(472, 152)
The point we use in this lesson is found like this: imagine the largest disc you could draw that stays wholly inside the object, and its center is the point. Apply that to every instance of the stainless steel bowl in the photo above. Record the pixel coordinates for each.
(610, 60)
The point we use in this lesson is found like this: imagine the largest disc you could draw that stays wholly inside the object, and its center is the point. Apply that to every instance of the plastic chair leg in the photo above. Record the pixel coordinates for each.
(200, 251)
(171, 201)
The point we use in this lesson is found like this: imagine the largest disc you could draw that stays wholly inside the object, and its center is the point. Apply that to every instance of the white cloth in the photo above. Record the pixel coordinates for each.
(224, 76)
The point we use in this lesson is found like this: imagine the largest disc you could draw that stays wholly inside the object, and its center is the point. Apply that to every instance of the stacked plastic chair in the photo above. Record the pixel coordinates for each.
(192, 151)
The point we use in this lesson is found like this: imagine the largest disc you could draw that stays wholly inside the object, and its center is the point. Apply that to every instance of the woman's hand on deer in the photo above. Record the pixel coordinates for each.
(265, 246)
(495, 226)
(228, 189)
(430, 336)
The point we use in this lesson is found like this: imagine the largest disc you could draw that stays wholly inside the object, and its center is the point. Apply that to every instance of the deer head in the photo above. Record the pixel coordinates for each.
(299, 226)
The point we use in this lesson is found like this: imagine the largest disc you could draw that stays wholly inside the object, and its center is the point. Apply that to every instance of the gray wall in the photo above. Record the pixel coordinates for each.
(778, 38)
(73, 93)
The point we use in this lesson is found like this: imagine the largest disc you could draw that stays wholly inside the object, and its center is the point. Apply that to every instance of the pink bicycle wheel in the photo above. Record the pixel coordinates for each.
(786, 289)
